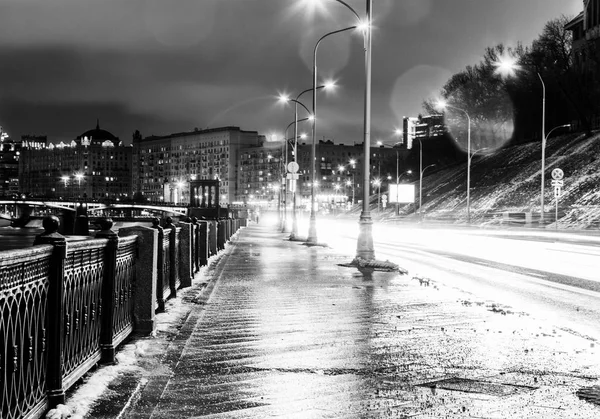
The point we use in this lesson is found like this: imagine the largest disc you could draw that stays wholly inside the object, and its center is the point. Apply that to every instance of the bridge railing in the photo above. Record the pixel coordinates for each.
(67, 305)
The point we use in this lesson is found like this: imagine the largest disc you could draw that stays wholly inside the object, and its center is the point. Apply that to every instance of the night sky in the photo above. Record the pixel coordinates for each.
(171, 66)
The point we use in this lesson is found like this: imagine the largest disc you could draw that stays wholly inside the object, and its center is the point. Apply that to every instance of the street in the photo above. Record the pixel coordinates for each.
(548, 274)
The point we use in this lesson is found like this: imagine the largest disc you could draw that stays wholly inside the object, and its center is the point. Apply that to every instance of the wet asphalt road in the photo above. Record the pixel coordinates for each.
(288, 333)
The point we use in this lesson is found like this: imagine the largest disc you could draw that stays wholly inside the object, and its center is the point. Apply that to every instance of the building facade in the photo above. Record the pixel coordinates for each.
(163, 166)
(9, 165)
(260, 175)
(94, 166)
(340, 171)
(585, 29)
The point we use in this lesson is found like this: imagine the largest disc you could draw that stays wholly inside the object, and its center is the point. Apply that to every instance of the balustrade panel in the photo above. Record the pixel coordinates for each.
(123, 297)
(84, 274)
(24, 288)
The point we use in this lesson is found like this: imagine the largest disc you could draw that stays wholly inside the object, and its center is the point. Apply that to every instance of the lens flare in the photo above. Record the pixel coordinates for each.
(506, 66)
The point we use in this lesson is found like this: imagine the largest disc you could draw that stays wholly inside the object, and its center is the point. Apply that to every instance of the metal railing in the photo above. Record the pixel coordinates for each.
(67, 305)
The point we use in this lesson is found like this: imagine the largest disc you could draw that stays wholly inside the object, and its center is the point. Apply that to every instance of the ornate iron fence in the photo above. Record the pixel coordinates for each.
(66, 306)
(24, 331)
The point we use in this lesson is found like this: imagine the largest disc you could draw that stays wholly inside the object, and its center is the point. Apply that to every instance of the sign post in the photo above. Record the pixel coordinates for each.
(557, 182)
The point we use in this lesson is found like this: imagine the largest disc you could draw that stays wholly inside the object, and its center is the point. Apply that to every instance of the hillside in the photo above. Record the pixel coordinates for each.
(509, 181)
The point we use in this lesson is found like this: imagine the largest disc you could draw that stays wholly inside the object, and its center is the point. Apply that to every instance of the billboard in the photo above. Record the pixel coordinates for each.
(401, 194)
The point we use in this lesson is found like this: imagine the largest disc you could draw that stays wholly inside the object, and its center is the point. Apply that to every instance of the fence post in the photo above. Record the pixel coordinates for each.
(109, 296)
(203, 227)
(186, 240)
(56, 309)
(160, 277)
(196, 247)
(172, 257)
(146, 273)
(212, 237)
(221, 233)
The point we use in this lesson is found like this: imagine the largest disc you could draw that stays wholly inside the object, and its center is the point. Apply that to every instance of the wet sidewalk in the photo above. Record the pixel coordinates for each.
(280, 330)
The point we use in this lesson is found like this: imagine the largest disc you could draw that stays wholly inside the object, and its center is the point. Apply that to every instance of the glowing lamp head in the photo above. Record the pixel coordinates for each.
(352, 162)
(284, 98)
(506, 66)
(329, 84)
(363, 26)
(441, 104)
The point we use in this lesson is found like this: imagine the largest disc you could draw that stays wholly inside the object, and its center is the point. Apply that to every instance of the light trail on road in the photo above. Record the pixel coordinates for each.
(552, 276)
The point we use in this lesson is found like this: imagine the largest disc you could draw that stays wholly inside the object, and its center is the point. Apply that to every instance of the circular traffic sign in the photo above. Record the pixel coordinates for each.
(293, 167)
(557, 174)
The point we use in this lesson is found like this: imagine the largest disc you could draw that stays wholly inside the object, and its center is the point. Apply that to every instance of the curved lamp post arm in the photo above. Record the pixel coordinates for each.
(301, 104)
(350, 8)
(309, 90)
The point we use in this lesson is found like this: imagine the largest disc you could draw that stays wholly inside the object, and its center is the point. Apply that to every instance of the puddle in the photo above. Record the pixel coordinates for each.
(466, 385)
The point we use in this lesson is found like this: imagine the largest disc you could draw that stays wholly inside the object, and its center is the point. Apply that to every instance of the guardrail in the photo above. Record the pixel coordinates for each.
(67, 305)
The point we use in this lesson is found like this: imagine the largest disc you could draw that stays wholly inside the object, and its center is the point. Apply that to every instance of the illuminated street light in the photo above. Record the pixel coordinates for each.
(377, 182)
(364, 246)
(441, 104)
(312, 229)
(285, 151)
(326, 86)
(507, 66)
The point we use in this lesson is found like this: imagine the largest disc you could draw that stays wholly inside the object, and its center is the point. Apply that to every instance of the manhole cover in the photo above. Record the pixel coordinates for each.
(475, 386)
(590, 394)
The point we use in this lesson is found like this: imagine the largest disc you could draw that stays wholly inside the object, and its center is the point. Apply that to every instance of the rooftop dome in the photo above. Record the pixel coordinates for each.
(98, 136)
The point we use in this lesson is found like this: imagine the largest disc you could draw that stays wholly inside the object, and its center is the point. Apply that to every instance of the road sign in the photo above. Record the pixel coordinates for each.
(557, 174)
(557, 191)
(293, 176)
(293, 167)
(557, 183)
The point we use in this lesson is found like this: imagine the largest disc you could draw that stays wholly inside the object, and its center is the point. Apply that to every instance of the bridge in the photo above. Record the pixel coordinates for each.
(85, 207)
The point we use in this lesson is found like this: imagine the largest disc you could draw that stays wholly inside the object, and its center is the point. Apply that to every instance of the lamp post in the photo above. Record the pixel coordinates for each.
(442, 105)
(421, 187)
(353, 164)
(328, 85)
(379, 143)
(364, 245)
(312, 229)
(285, 159)
(507, 66)
(377, 182)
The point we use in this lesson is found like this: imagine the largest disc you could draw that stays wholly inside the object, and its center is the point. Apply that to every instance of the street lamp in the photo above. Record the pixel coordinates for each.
(507, 66)
(442, 105)
(312, 229)
(398, 175)
(364, 246)
(421, 187)
(285, 168)
(352, 162)
(377, 182)
(326, 86)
